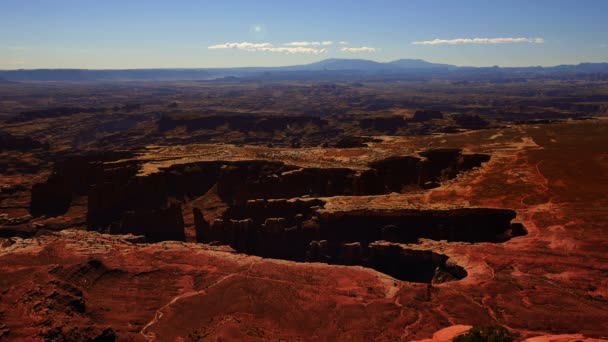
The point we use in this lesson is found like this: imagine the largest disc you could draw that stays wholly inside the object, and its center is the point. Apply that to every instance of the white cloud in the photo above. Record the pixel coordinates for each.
(301, 43)
(343, 43)
(480, 41)
(268, 47)
(294, 50)
(358, 49)
(241, 46)
(325, 43)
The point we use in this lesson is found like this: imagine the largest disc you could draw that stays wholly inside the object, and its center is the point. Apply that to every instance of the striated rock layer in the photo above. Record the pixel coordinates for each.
(113, 188)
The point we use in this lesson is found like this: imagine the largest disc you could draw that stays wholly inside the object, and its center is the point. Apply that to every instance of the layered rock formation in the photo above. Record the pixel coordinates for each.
(155, 224)
(470, 121)
(409, 225)
(446, 163)
(297, 230)
(426, 115)
(10, 142)
(386, 124)
(113, 188)
(414, 265)
(238, 122)
(53, 113)
(73, 176)
(354, 142)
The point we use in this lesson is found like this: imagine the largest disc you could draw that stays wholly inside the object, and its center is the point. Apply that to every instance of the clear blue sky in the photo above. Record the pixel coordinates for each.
(152, 33)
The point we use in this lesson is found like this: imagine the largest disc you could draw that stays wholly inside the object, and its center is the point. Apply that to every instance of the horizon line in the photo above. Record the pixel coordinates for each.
(292, 65)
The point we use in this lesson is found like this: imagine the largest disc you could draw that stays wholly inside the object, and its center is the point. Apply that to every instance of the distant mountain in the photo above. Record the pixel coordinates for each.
(418, 64)
(342, 64)
(327, 70)
(4, 81)
(367, 65)
(101, 75)
(583, 67)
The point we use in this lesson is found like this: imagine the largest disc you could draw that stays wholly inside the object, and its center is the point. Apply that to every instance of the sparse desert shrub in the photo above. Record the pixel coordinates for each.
(491, 333)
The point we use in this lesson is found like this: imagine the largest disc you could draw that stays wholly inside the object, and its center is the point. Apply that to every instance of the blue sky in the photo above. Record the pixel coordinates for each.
(151, 34)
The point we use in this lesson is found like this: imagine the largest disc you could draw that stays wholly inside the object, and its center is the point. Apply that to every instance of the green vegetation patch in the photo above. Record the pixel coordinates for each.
(491, 333)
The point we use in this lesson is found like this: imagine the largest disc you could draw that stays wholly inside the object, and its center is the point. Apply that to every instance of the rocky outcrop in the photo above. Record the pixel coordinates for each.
(276, 123)
(426, 115)
(74, 176)
(297, 230)
(372, 103)
(11, 221)
(51, 198)
(238, 122)
(240, 181)
(17, 230)
(274, 228)
(272, 238)
(109, 199)
(470, 121)
(316, 182)
(236, 182)
(9, 142)
(446, 163)
(201, 226)
(53, 113)
(471, 161)
(387, 124)
(352, 254)
(295, 211)
(192, 123)
(155, 224)
(318, 251)
(113, 189)
(391, 174)
(413, 265)
(409, 225)
(353, 142)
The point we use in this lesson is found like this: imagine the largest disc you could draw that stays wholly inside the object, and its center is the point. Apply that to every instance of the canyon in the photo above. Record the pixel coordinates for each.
(374, 222)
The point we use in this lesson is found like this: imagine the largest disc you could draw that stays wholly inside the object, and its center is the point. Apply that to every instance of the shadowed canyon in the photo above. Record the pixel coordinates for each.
(303, 210)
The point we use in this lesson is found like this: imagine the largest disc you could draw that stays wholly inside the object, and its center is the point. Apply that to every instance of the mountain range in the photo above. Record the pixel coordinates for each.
(339, 69)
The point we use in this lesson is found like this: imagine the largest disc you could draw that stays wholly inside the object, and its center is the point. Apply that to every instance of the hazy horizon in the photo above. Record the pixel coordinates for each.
(69, 34)
(289, 65)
